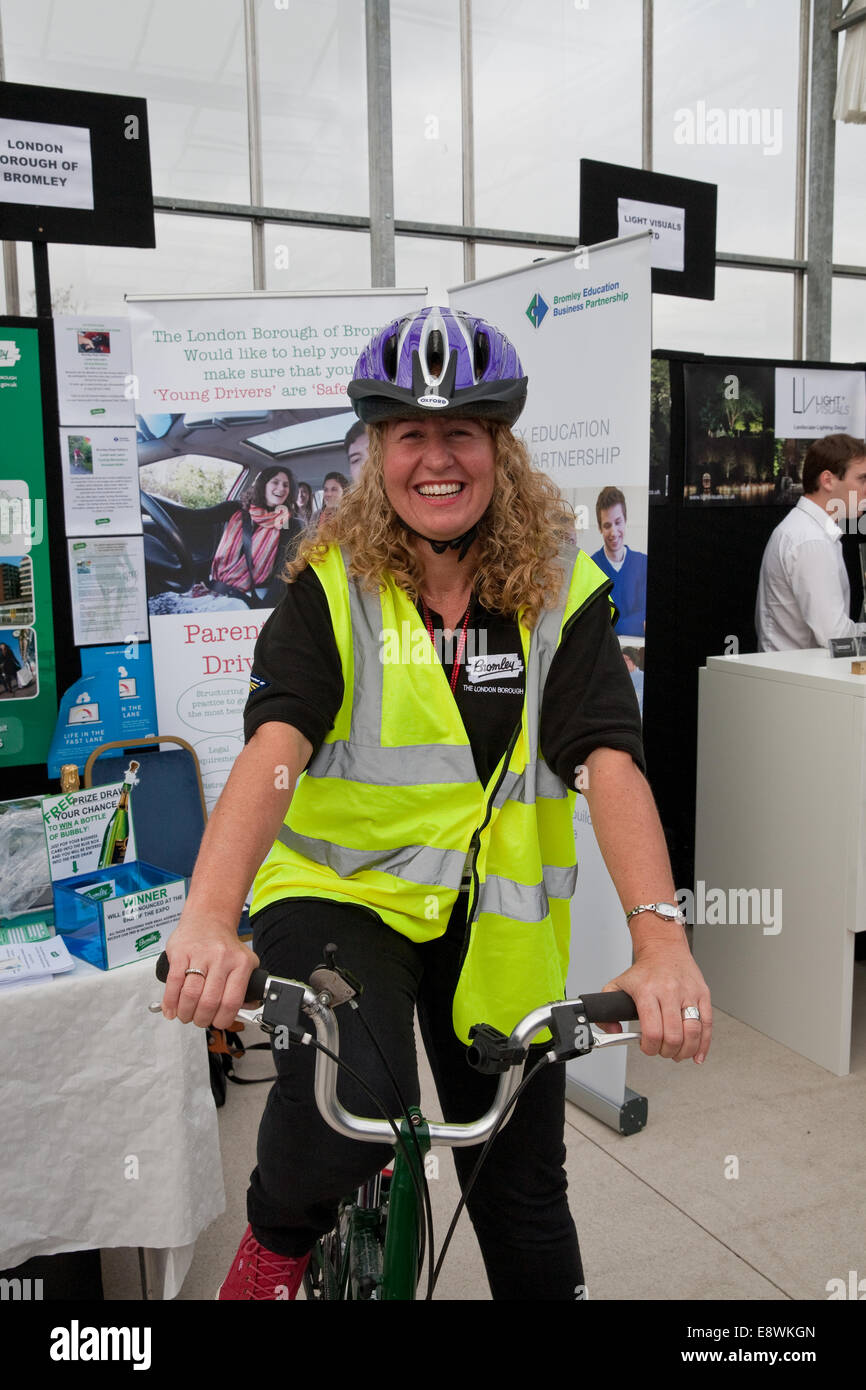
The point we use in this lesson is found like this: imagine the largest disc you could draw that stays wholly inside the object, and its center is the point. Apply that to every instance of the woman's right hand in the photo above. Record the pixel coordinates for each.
(215, 996)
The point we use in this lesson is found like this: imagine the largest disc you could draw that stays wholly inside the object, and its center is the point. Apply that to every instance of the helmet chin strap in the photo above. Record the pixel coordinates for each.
(461, 543)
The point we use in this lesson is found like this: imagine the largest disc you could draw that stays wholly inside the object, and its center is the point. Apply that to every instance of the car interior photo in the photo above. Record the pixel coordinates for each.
(196, 469)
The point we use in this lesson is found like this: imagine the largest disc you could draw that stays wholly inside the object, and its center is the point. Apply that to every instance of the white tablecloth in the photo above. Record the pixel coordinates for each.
(109, 1128)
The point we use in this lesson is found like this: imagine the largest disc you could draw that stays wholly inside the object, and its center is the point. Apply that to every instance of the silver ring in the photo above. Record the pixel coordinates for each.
(192, 971)
(691, 1011)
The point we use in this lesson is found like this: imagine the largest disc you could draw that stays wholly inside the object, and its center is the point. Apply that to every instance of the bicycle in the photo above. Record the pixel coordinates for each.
(377, 1248)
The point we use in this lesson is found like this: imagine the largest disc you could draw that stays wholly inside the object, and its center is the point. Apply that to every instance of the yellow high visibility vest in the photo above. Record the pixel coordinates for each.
(390, 813)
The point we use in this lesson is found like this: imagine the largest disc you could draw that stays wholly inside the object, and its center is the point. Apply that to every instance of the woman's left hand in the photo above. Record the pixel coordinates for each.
(663, 981)
(278, 519)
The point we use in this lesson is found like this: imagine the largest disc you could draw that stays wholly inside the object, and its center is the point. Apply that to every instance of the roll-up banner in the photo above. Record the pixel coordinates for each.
(236, 396)
(582, 326)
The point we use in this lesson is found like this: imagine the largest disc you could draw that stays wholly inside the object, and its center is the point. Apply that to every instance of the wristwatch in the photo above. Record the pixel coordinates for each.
(669, 911)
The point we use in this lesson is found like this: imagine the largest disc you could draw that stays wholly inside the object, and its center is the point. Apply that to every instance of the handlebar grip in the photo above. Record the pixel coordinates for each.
(613, 1007)
(255, 988)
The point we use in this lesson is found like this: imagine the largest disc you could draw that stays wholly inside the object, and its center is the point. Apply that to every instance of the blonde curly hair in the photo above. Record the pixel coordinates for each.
(519, 536)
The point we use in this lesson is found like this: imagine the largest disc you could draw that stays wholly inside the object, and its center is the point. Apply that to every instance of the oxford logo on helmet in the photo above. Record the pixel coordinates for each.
(433, 402)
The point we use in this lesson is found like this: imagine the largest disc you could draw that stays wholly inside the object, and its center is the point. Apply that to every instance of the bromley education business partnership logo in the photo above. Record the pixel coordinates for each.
(536, 310)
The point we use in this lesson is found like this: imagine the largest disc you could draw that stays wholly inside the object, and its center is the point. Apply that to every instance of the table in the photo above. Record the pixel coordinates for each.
(110, 1130)
(781, 808)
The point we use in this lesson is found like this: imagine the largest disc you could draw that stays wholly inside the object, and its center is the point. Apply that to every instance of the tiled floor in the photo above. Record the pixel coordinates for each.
(657, 1213)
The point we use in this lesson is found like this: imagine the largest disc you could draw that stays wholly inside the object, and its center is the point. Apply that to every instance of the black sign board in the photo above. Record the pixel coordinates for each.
(616, 200)
(74, 167)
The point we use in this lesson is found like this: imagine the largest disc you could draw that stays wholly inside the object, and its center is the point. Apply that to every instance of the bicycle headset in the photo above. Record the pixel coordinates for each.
(439, 361)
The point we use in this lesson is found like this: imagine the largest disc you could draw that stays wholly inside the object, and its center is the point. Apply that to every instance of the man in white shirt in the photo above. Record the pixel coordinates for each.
(803, 592)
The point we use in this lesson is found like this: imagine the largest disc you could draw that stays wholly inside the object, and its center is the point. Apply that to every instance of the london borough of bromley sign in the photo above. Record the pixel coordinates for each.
(74, 167)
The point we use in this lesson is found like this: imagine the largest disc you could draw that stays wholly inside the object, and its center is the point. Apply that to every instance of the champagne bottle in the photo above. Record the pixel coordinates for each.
(69, 780)
(116, 836)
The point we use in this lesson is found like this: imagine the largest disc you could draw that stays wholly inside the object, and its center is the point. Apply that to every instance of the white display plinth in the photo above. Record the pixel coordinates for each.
(781, 795)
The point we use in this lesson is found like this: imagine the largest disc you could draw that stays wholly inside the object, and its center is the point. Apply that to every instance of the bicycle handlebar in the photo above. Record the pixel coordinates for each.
(614, 1006)
(568, 1020)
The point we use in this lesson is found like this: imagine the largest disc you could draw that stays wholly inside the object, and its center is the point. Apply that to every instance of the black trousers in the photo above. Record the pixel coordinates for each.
(518, 1205)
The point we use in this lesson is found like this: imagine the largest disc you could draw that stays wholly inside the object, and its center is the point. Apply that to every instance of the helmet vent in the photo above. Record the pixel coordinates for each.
(389, 357)
(435, 353)
(481, 354)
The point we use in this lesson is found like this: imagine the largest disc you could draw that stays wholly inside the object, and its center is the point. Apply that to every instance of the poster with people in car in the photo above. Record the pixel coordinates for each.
(245, 437)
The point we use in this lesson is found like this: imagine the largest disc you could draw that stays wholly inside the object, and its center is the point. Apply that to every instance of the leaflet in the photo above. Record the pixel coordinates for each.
(94, 371)
(109, 602)
(77, 829)
(34, 962)
(100, 481)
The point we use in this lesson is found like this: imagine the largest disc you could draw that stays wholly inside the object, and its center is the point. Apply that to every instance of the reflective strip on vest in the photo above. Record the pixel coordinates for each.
(536, 780)
(526, 902)
(441, 868)
(395, 767)
(366, 614)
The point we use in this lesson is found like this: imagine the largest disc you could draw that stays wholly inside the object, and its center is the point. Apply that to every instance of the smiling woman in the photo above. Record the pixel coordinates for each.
(432, 836)
(247, 555)
(258, 536)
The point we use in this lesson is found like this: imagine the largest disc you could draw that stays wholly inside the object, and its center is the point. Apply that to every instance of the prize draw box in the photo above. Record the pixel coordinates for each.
(113, 916)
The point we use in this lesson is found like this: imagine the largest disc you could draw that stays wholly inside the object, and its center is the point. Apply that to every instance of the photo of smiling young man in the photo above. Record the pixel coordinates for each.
(626, 567)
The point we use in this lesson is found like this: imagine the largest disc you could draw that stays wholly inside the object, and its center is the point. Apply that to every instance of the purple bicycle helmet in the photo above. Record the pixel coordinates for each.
(438, 360)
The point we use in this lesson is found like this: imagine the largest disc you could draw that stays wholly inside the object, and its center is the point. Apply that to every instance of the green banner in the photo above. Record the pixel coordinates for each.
(28, 684)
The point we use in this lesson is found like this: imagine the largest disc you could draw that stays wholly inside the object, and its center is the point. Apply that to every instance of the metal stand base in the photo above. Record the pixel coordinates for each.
(628, 1118)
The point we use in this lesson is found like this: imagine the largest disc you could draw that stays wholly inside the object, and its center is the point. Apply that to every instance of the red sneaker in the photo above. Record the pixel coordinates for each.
(260, 1274)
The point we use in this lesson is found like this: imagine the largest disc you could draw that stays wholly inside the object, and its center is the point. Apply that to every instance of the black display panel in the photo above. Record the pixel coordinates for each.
(74, 167)
(685, 211)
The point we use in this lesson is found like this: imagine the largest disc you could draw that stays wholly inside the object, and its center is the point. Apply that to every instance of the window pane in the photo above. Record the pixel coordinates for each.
(849, 320)
(193, 255)
(307, 258)
(425, 102)
(725, 111)
(186, 59)
(849, 240)
(494, 260)
(313, 78)
(554, 81)
(190, 480)
(752, 315)
(422, 261)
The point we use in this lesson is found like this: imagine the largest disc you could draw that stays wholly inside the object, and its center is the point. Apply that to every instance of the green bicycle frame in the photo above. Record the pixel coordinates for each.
(400, 1266)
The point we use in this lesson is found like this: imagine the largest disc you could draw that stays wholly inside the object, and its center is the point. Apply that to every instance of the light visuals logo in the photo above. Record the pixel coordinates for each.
(803, 400)
(10, 353)
(536, 310)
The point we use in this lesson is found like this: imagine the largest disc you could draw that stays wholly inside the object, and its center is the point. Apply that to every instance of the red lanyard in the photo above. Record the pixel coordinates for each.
(461, 646)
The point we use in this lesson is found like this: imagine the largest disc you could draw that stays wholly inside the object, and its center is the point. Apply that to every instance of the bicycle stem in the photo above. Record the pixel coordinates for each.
(372, 1130)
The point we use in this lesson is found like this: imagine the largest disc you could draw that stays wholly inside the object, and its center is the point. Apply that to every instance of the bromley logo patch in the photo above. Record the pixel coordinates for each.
(494, 668)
